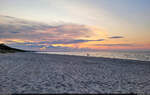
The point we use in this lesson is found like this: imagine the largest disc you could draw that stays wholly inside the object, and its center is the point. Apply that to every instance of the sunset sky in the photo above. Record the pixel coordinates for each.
(61, 25)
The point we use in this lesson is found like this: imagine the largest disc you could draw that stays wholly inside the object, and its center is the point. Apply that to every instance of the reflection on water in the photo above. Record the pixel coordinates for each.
(136, 55)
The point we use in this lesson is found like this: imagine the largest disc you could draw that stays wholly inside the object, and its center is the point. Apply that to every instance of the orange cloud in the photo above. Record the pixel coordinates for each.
(74, 31)
(43, 48)
(12, 40)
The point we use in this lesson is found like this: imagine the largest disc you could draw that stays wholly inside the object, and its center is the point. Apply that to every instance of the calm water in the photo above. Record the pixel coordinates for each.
(136, 55)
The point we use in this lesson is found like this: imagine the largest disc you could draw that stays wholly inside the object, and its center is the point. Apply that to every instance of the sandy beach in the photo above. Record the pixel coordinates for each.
(51, 73)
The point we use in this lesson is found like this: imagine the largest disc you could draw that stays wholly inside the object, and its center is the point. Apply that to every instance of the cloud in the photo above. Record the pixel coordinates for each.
(15, 32)
(22, 29)
(42, 47)
(68, 41)
(114, 45)
(49, 45)
(116, 37)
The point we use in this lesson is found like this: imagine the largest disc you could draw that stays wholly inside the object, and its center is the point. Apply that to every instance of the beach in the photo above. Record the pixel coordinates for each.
(53, 73)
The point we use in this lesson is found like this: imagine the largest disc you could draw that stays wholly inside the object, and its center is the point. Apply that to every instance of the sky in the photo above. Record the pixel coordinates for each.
(68, 25)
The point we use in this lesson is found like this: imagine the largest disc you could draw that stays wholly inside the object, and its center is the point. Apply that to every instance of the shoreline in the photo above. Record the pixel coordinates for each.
(52, 73)
(91, 56)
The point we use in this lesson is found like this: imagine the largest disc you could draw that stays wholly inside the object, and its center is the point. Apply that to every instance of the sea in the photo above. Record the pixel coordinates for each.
(134, 55)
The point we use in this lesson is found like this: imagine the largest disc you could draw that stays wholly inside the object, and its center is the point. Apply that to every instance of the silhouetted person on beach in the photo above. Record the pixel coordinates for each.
(87, 54)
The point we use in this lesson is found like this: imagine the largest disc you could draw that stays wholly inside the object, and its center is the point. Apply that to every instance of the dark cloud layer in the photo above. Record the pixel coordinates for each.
(67, 41)
(116, 37)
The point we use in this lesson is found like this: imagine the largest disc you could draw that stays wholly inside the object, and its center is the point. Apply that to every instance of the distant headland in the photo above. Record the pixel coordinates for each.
(6, 49)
